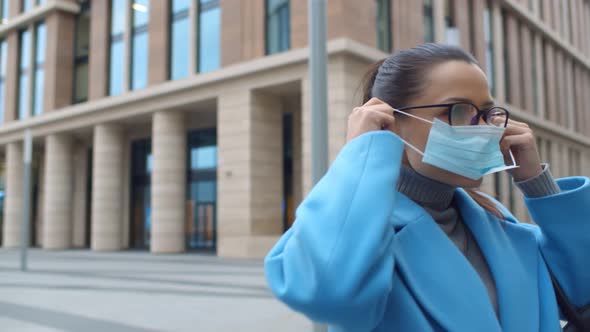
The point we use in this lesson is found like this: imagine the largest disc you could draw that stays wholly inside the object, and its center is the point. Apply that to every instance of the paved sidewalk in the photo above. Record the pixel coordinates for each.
(83, 291)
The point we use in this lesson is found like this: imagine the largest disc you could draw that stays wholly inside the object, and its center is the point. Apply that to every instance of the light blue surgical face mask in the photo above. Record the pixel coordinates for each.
(469, 151)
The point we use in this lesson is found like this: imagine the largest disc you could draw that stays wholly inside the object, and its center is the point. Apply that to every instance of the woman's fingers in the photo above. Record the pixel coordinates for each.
(374, 101)
(515, 128)
(373, 115)
(383, 119)
(525, 140)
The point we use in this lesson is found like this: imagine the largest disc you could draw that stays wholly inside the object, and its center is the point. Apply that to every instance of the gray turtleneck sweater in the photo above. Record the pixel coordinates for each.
(438, 200)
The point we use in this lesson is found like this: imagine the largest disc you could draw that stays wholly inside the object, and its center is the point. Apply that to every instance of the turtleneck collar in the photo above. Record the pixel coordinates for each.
(425, 191)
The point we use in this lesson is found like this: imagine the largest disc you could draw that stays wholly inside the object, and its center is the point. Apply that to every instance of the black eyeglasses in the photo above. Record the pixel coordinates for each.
(467, 114)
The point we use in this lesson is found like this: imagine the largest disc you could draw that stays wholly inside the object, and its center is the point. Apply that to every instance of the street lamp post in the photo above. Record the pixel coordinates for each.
(319, 101)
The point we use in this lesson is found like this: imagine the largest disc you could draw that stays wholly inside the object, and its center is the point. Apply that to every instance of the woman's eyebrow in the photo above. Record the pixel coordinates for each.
(488, 103)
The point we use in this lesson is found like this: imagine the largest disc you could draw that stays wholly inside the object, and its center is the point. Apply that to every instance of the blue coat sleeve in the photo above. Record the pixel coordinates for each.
(335, 264)
(564, 237)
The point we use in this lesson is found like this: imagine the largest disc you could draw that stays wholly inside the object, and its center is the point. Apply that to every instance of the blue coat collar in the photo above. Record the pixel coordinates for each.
(446, 285)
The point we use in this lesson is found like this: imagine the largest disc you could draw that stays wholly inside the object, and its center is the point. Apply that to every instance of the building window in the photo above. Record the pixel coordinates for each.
(451, 30)
(141, 171)
(3, 53)
(428, 22)
(139, 44)
(117, 47)
(489, 41)
(507, 82)
(81, 54)
(208, 55)
(384, 25)
(179, 35)
(39, 78)
(278, 35)
(201, 221)
(26, 5)
(535, 50)
(23, 80)
(5, 11)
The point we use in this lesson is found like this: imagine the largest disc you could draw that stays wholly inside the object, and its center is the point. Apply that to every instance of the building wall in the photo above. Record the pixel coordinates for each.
(539, 53)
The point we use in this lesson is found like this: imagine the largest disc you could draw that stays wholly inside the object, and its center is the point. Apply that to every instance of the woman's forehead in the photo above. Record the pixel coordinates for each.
(457, 79)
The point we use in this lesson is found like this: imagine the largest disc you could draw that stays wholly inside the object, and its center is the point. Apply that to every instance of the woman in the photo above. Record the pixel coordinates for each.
(397, 239)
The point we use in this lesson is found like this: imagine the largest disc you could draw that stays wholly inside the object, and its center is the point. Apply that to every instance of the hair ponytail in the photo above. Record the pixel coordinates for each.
(369, 80)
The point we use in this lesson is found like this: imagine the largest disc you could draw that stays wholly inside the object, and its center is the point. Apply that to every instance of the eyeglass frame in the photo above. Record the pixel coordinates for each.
(480, 113)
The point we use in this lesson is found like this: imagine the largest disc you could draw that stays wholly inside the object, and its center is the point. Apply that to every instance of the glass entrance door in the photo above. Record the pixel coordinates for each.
(141, 168)
(201, 221)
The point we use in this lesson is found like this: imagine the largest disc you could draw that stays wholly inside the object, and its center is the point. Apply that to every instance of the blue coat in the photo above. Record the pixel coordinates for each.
(363, 257)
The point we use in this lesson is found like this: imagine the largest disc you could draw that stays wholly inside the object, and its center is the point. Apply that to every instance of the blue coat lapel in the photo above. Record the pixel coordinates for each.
(446, 285)
(437, 274)
(511, 253)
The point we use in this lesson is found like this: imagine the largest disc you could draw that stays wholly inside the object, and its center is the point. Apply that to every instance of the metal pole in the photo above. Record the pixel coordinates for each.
(24, 244)
(319, 101)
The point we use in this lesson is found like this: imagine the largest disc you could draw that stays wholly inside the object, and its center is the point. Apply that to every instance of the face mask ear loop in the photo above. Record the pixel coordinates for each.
(412, 116)
(406, 142)
(512, 157)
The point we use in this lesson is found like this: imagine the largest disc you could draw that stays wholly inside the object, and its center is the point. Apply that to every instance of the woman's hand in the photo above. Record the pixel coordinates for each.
(373, 115)
(519, 138)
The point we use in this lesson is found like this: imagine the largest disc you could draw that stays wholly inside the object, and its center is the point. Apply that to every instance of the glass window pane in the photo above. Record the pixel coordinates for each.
(25, 49)
(38, 92)
(277, 26)
(149, 163)
(2, 78)
(139, 68)
(2, 96)
(3, 54)
(23, 97)
(26, 5)
(140, 12)
(383, 25)
(118, 12)
(23, 84)
(488, 36)
(204, 157)
(82, 35)
(5, 10)
(116, 70)
(428, 21)
(205, 191)
(209, 34)
(180, 5)
(81, 88)
(179, 57)
(40, 35)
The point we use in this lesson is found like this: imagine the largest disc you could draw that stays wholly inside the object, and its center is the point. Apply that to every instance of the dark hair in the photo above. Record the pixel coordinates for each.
(403, 76)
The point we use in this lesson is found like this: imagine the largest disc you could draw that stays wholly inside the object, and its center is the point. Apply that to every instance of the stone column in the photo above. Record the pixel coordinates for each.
(107, 187)
(168, 182)
(250, 186)
(80, 174)
(14, 195)
(57, 210)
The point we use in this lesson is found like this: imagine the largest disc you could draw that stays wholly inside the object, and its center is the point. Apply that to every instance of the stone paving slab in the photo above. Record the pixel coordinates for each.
(84, 291)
